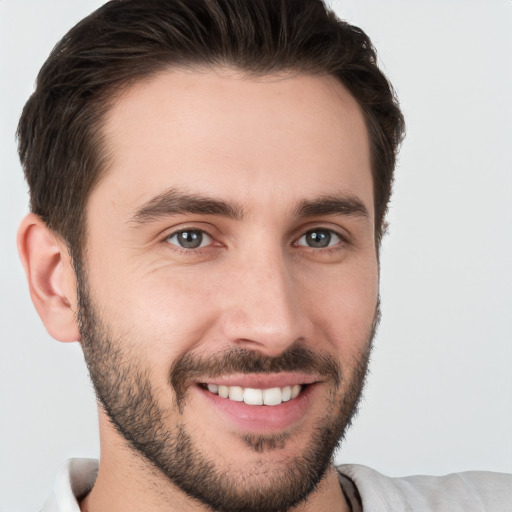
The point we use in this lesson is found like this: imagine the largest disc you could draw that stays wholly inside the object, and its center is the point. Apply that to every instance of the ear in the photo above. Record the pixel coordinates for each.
(50, 276)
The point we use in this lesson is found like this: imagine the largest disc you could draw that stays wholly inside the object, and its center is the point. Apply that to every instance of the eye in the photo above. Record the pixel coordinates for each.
(319, 239)
(189, 239)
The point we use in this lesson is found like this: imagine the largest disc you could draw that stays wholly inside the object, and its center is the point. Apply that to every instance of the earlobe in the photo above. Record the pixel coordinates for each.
(50, 276)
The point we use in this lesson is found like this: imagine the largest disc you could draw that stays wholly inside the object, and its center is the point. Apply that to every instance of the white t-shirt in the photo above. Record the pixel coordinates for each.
(472, 491)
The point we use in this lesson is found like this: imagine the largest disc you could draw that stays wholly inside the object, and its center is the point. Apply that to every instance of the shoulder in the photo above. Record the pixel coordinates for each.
(74, 480)
(471, 491)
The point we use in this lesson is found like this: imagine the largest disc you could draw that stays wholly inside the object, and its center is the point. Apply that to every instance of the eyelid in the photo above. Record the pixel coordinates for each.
(323, 225)
(176, 230)
(204, 227)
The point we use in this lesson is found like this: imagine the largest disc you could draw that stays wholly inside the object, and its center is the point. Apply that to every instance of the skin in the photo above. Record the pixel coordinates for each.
(265, 145)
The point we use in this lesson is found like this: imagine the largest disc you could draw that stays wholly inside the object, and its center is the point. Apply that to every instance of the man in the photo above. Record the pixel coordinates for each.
(209, 183)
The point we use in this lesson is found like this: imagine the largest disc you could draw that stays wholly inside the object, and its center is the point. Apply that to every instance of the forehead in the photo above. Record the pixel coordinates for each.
(218, 133)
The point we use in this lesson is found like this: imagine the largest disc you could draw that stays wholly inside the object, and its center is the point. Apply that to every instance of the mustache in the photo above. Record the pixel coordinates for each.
(191, 367)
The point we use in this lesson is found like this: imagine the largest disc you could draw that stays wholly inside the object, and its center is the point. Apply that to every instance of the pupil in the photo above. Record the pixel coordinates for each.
(190, 239)
(318, 238)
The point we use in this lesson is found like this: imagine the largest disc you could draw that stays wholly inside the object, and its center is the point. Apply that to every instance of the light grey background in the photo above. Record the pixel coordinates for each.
(439, 397)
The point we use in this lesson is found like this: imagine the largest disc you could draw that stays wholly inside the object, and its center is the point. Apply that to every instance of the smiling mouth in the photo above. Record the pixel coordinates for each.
(254, 396)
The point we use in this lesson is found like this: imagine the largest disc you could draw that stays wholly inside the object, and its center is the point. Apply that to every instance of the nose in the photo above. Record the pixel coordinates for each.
(263, 312)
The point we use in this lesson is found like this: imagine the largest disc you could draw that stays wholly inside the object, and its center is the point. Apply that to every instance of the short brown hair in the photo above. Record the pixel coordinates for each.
(126, 40)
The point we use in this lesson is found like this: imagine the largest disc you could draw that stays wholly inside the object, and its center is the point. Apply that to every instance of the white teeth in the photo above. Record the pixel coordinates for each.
(236, 393)
(251, 396)
(272, 396)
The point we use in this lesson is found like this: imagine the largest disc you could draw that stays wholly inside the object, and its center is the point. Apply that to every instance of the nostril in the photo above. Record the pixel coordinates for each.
(271, 346)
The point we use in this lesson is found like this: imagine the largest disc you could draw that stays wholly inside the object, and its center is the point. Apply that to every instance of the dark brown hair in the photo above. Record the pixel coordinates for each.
(124, 41)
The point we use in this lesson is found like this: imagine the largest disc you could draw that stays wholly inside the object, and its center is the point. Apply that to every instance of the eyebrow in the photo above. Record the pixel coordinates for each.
(175, 202)
(332, 205)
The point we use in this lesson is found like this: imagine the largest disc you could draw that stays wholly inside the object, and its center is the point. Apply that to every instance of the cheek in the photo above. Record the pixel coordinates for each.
(163, 312)
(346, 308)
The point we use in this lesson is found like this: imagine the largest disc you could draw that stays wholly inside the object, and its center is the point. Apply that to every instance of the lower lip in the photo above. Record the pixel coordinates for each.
(262, 418)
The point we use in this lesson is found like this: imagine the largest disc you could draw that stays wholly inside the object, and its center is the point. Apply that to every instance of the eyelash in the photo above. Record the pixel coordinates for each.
(180, 248)
(296, 243)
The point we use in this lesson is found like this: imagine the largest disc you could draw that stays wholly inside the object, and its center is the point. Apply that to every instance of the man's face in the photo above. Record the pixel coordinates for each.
(230, 251)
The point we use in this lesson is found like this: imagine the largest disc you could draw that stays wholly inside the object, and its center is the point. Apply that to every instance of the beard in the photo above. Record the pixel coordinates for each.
(123, 386)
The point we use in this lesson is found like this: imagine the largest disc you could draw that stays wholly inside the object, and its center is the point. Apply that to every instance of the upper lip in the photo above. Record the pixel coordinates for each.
(262, 380)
